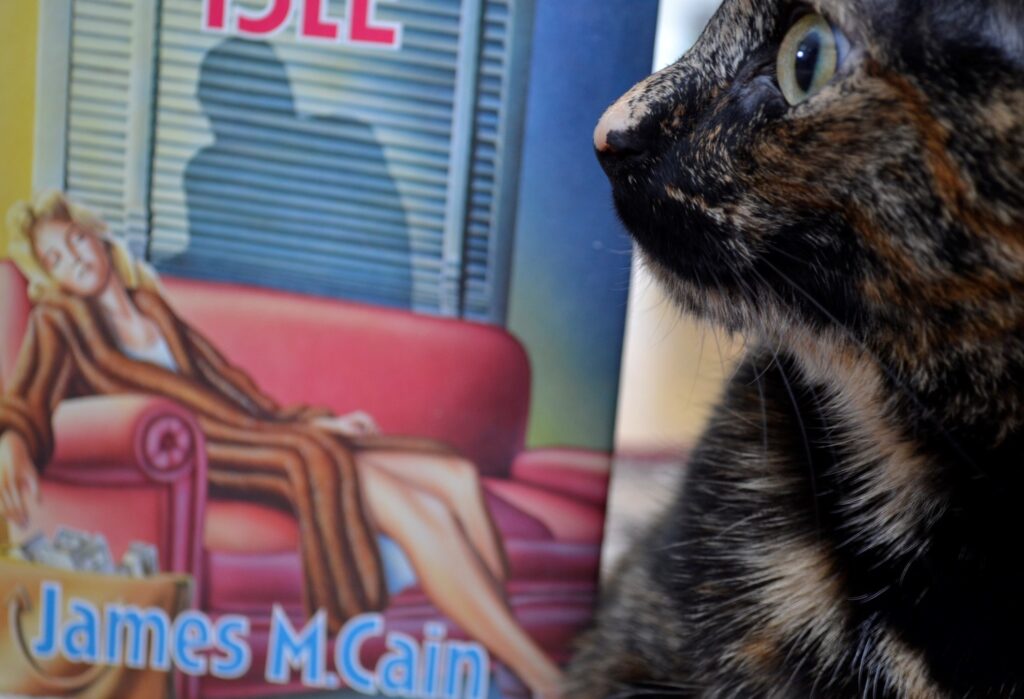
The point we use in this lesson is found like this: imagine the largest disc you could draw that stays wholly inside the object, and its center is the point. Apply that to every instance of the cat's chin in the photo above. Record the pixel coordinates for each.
(713, 305)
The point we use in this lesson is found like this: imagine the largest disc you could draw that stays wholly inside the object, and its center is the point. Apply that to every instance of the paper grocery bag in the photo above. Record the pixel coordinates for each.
(22, 672)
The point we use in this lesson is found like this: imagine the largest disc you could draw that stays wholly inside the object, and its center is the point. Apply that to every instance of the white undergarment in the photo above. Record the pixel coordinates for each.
(158, 353)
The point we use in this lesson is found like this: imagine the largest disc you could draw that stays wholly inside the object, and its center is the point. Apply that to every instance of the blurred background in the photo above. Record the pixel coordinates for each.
(673, 367)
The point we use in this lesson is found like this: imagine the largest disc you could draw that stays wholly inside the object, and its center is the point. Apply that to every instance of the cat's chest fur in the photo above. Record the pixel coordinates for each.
(804, 559)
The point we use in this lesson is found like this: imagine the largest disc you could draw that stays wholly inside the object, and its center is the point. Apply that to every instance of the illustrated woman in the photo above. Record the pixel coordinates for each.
(101, 326)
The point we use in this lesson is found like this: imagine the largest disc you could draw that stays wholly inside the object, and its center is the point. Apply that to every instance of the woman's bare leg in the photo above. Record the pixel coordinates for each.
(454, 578)
(456, 482)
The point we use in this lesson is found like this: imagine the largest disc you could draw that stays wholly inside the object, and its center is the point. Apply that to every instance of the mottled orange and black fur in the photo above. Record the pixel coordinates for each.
(851, 524)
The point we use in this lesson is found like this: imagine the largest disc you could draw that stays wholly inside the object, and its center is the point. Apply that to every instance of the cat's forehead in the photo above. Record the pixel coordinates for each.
(985, 22)
(872, 19)
(890, 30)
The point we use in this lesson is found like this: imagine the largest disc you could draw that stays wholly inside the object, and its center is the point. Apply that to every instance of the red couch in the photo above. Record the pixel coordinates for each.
(462, 383)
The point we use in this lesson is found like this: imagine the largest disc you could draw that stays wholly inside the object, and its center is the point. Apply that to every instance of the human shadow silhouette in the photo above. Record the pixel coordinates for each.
(293, 201)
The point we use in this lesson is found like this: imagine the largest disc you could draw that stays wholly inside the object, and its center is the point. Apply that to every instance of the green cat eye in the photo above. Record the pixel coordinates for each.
(808, 58)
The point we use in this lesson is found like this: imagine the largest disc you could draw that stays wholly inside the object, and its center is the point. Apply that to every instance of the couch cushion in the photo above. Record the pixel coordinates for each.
(246, 528)
(248, 542)
(250, 583)
(462, 383)
(237, 527)
(568, 519)
(579, 473)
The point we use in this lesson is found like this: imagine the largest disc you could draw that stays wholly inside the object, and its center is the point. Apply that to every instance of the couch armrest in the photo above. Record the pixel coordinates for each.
(126, 440)
(133, 442)
(577, 473)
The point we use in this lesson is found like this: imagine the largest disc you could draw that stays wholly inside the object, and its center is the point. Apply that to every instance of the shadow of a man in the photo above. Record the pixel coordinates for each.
(288, 200)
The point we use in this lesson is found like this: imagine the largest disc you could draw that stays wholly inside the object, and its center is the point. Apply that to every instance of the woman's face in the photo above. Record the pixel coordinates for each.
(73, 256)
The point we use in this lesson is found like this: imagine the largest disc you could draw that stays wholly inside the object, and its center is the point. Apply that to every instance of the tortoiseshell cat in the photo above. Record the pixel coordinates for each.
(842, 180)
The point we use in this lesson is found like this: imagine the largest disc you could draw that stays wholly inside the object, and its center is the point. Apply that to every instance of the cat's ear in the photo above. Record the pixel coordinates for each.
(1004, 27)
(966, 26)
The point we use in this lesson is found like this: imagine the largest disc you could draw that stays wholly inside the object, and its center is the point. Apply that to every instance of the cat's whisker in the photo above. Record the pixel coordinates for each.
(882, 365)
(805, 442)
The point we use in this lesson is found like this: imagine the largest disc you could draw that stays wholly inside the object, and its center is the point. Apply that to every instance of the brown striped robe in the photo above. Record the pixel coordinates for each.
(254, 447)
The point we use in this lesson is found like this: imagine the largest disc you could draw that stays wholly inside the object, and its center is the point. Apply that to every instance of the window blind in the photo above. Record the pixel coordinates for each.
(322, 168)
(98, 106)
(494, 165)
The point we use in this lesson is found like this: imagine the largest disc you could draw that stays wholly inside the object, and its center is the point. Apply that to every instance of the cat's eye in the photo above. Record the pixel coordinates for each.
(809, 57)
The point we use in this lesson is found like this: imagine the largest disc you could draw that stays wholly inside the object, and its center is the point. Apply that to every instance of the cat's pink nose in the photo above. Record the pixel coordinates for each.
(626, 129)
(615, 120)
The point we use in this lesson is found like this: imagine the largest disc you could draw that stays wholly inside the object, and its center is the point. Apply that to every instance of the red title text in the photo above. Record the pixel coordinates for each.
(312, 19)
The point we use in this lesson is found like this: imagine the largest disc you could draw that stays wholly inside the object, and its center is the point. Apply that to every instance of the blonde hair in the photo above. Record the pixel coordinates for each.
(24, 217)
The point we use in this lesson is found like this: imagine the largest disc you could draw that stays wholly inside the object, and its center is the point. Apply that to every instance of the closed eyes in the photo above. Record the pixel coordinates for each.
(51, 259)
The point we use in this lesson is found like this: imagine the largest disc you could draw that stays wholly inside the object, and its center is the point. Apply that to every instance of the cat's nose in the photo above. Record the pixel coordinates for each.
(624, 131)
(615, 133)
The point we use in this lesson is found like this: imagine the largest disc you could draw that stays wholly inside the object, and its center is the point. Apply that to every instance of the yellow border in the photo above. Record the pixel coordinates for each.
(18, 35)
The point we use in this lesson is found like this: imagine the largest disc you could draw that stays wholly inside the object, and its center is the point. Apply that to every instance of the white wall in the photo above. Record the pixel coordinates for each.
(680, 23)
(673, 367)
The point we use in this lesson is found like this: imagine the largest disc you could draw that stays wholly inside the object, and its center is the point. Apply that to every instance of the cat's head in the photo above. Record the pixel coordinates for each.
(840, 168)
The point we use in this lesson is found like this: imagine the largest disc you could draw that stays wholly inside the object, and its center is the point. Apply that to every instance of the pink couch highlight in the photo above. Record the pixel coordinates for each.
(462, 383)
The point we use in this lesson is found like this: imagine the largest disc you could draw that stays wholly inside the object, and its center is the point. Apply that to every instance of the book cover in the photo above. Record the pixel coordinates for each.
(311, 314)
